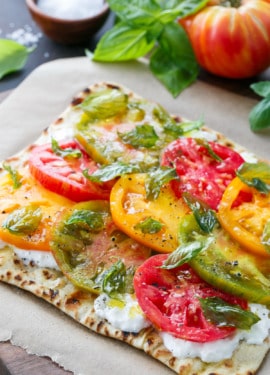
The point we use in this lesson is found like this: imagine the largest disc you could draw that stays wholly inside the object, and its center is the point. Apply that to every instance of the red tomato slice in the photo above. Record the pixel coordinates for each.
(170, 300)
(63, 175)
(201, 174)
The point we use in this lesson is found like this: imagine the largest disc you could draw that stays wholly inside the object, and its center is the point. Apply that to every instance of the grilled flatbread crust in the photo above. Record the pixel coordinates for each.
(51, 285)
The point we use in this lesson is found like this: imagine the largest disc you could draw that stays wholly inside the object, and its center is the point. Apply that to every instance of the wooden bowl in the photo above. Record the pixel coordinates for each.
(67, 31)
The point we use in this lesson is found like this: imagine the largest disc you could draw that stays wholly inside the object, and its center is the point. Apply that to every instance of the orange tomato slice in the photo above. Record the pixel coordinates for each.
(29, 193)
(246, 220)
(130, 208)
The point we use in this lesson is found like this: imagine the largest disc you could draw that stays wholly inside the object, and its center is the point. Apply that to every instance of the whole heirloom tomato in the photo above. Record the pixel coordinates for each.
(231, 41)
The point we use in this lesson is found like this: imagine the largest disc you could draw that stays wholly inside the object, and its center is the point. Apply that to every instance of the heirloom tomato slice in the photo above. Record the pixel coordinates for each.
(154, 223)
(61, 172)
(245, 213)
(27, 213)
(170, 299)
(86, 244)
(204, 168)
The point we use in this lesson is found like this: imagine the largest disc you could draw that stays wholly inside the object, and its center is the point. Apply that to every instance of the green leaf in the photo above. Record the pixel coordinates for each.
(65, 152)
(14, 175)
(111, 171)
(13, 56)
(192, 241)
(116, 280)
(149, 225)
(123, 43)
(145, 13)
(23, 220)
(105, 104)
(141, 136)
(205, 217)
(137, 13)
(205, 144)
(255, 175)
(173, 62)
(261, 88)
(224, 314)
(259, 116)
(156, 178)
(85, 218)
(187, 251)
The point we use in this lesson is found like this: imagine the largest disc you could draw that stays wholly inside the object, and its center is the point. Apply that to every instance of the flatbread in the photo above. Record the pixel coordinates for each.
(52, 286)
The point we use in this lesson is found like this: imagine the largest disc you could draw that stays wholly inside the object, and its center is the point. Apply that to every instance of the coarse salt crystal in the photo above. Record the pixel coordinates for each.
(70, 9)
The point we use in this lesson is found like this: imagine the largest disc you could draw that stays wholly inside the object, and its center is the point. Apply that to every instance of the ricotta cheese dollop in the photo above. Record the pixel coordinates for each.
(124, 314)
(218, 350)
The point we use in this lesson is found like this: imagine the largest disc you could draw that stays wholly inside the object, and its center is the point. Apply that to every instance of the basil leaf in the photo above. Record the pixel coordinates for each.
(65, 152)
(266, 236)
(23, 220)
(173, 62)
(111, 171)
(205, 217)
(156, 178)
(116, 280)
(255, 175)
(137, 13)
(105, 103)
(259, 116)
(141, 136)
(85, 218)
(13, 56)
(224, 314)
(149, 225)
(205, 144)
(261, 88)
(14, 175)
(187, 251)
(123, 43)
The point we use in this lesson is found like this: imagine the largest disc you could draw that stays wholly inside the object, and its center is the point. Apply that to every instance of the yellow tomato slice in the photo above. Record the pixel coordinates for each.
(30, 193)
(246, 220)
(130, 208)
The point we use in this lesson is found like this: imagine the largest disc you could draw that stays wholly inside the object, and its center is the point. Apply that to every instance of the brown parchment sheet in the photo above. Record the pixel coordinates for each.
(30, 322)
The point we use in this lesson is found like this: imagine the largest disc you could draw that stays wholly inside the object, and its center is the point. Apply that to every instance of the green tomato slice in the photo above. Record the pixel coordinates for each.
(224, 265)
(86, 245)
(116, 127)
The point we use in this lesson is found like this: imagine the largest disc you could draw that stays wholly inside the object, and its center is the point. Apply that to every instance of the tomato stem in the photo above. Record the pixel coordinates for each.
(231, 3)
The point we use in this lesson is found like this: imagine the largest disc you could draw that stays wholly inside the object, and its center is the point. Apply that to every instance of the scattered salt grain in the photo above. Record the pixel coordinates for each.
(70, 9)
(25, 36)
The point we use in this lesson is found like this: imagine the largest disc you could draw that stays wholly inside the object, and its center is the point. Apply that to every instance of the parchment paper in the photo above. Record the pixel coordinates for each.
(32, 323)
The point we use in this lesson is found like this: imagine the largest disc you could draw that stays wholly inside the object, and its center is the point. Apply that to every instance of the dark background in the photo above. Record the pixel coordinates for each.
(14, 15)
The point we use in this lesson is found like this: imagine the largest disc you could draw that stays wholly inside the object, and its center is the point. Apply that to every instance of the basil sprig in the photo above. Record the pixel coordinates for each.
(14, 175)
(259, 116)
(149, 225)
(116, 280)
(192, 241)
(68, 152)
(149, 27)
(141, 136)
(111, 171)
(224, 314)
(156, 178)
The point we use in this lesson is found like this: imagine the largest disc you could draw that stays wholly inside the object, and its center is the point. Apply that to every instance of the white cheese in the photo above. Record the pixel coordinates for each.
(43, 259)
(218, 350)
(125, 314)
